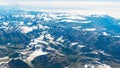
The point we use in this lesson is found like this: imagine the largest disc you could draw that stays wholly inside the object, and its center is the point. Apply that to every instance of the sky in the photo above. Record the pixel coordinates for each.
(84, 6)
(60, 4)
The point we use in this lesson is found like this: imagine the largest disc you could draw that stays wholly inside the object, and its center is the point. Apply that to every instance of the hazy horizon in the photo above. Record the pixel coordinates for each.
(110, 7)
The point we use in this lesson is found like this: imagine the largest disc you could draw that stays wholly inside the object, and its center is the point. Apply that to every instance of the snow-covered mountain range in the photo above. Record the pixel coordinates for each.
(31, 39)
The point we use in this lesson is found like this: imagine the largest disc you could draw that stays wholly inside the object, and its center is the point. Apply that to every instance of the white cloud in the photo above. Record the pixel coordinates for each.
(70, 4)
(83, 7)
(4, 3)
(59, 3)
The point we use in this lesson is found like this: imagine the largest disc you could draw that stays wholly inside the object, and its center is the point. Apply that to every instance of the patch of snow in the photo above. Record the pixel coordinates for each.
(85, 22)
(26, 29)
(102, 52)
(46, 18)
(69, 20)
(29, 23)
(60, 39)
(51, 39)
(43, 42)
(117, 36)
(21, 23)
(74, 43)
(48, 36)
(43, 27)
(62, 14)
(29, 16)
(41, 37)
(34, 55)
(104, 66)
(89, 29)
(3, 27)
(97, 66)
(39, 16)
(4, 58)
(66, 67)
(77, 28)
(75, 17)
(81, 46)
(5, 23)
(105, 33)
(54, 16)
(94, 52)
(36, 41)
(88, 66)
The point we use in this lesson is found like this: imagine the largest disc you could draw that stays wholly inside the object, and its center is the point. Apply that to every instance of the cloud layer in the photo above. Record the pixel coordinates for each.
(91, 6)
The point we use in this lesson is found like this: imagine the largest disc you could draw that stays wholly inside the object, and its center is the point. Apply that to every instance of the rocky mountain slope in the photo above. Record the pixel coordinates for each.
(58, 40)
